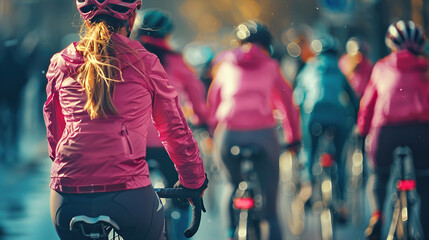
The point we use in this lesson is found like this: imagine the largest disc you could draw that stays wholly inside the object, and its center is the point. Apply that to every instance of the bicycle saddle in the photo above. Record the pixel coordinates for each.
(92, 221)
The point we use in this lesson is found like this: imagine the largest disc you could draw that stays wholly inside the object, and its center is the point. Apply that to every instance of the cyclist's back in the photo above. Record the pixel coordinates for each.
(247, 85)
(99, 105)
(398, 91)
(247, 77)
(322, 87)
(326, 101)
(394, 112)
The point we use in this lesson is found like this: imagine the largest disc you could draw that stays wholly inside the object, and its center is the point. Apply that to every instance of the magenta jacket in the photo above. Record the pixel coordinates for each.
(103, 155)
(398, 92)
(189, 87)
(247, 86)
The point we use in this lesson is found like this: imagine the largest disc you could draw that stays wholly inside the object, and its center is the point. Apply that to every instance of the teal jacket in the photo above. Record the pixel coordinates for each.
(323, 93)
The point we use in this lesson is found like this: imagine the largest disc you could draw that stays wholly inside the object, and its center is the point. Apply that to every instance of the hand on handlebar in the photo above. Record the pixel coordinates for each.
(199, 192)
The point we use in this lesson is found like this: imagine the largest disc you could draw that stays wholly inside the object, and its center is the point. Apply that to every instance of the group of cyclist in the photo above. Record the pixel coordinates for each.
(117, 97)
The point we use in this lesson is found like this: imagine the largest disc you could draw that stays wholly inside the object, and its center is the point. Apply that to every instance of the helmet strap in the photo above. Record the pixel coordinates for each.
(128, 28)
(129, 24)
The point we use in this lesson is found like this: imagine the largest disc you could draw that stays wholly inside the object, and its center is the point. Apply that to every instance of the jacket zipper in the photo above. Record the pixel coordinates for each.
(126, 140)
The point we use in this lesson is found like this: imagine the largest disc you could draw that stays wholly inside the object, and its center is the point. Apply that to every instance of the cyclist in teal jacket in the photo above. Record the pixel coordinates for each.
(326, 100)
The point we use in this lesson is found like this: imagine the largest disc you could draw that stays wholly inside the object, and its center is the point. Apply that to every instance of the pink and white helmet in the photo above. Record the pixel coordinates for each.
(120, 9)
(405, 35)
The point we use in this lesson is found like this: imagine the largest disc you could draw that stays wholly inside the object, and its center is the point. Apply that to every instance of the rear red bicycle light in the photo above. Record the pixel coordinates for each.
(244, 203)
(406, 185)
(326, 160)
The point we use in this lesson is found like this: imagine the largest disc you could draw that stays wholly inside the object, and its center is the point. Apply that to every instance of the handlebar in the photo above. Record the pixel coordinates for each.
(196, 207)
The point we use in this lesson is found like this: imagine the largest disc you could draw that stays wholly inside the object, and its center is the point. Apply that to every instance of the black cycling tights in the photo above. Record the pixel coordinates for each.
(138, 212)
(266, 168)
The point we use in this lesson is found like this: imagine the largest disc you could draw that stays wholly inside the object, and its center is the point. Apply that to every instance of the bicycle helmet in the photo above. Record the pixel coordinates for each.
(357, 45)
(324, 43)
(253, 32)
(155, 23)
(405, 35)
(120, 9)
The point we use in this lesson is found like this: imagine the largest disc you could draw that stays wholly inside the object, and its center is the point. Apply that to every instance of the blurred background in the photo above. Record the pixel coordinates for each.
(31, 31)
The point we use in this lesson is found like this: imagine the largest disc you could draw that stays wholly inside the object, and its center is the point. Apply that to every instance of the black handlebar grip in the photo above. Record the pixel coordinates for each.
(168, 192)
(196, 208)
(196, 218)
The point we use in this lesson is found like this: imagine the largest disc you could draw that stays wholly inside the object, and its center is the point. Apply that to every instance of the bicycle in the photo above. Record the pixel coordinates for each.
(324, 184)
(405, 223)
(247, 197)
(105, 228)
(176, 217)
(295, 192)
(355, 180)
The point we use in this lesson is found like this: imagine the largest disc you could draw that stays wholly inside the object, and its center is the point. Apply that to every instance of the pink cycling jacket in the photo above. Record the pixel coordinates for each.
(108, 154)
(247, 86)
(398, 92)
(189, 87)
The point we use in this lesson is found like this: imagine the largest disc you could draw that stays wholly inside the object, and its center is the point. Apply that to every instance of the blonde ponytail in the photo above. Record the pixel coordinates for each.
(100, 71)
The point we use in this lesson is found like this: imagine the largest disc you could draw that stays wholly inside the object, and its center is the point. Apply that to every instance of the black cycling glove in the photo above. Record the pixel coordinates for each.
(200, 190)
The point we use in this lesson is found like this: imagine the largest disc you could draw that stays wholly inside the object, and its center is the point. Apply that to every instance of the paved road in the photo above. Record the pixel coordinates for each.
(24, 202)
(24, 208)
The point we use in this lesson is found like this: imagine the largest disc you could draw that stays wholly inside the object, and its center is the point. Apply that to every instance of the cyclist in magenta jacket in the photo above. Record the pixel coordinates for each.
(155, 28)
(97, 112)
(246, 87)
(154, 32)
(394, 111)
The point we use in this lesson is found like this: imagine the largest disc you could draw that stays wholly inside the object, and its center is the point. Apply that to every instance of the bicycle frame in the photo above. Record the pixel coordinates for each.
(405, 185)
(295, 193)
(248, 198)
(355, 181)
(323, 171)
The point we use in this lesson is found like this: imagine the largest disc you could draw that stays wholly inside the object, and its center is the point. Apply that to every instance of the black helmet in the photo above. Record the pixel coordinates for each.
(156, 23)
(405, 35)
(253, 32)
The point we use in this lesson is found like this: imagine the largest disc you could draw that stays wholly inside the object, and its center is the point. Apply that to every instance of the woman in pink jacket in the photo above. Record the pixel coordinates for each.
(102, 92)
(247, 85)
(394, 111)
